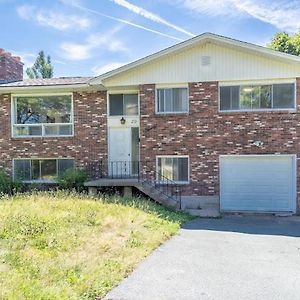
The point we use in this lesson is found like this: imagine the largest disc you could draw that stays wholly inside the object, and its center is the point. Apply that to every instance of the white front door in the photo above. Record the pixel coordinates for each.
(119, 152)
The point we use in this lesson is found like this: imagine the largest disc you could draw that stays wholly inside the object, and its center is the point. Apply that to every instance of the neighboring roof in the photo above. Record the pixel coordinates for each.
(203, 38)
(48, 82)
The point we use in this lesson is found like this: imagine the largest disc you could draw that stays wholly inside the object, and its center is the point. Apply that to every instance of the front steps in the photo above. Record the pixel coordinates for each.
(157, 196)
(198, 206)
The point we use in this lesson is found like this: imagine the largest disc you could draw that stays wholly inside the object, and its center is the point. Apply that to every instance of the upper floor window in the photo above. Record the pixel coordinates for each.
(42, 116)
(252, 97)
(123, 104)
(173, 100)
(46, 170)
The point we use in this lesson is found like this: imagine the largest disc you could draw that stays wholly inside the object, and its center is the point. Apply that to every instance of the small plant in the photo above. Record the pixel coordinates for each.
(73, 179)
(7, 185)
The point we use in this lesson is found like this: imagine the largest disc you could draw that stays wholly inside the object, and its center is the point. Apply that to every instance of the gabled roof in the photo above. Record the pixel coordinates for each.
(200, 39)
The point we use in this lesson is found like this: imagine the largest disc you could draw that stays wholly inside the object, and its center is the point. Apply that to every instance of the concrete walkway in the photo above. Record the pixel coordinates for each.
(230, 258)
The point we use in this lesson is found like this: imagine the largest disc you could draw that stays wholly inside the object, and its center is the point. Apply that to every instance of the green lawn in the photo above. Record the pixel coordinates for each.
(69, 246)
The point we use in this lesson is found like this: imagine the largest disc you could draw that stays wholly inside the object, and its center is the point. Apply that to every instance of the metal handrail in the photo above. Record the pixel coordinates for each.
(119, 169)
(164, 185)
(144, 174)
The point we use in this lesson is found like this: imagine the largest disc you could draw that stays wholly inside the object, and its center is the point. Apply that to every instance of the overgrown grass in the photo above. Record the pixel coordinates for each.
(70, 246)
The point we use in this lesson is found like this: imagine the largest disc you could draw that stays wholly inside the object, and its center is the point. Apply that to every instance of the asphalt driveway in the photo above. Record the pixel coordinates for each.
(230, 258)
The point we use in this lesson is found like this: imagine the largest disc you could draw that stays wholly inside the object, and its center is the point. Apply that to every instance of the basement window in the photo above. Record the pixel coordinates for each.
(257, 97)
(42, 115)
(174, 168)
(40, 170)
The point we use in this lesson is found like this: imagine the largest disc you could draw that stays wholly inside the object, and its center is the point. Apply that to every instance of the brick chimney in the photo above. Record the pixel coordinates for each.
(11, 67)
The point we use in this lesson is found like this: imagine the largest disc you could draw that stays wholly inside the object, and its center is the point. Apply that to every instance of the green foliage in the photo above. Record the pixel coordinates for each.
(285, 42)
(60, 245)
(7, 185)
(44, 109)
(42, 68)
(73, 179)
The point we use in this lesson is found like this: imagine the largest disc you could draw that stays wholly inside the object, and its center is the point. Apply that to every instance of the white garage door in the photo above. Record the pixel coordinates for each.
(263, 183)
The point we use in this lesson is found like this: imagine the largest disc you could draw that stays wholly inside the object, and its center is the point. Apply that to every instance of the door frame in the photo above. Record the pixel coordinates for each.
(294, 171)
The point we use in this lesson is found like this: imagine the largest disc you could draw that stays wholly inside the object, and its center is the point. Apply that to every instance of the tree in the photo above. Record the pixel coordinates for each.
(285, 42)
(42, 67)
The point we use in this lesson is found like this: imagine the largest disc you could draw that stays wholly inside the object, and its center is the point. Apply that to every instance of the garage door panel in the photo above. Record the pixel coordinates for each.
(262, 189)
(257, 183)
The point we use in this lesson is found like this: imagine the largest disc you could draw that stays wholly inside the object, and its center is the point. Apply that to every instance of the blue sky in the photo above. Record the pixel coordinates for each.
(90, 37)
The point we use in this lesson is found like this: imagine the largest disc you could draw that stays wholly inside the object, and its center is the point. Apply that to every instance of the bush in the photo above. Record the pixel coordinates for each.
(73, 179)
(7, 185)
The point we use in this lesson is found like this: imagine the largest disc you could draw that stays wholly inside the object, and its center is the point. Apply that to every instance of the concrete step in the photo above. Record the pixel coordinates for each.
(157, 196)
(206, 212)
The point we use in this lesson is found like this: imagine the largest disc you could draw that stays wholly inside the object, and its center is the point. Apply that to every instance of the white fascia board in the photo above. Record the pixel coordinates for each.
(54, 88)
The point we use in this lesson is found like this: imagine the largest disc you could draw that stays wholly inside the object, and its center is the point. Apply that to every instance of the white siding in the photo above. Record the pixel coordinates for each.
(226, 63)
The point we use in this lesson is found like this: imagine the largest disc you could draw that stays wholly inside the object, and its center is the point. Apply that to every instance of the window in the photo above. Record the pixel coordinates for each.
(42, 115)
(251, 97)
(173, 168)
(173, 100)
(40, 169)
(283, 95)
(123, 104)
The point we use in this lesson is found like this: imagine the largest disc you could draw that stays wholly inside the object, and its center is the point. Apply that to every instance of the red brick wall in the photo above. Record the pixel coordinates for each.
(204, 134)
(87, 147)
(11, 68)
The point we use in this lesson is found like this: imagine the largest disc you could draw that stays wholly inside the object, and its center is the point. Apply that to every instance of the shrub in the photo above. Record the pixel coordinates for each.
(7, 185)
(73, 179)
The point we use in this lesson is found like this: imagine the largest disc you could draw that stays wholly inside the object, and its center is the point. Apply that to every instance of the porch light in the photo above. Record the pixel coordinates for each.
(123, 121)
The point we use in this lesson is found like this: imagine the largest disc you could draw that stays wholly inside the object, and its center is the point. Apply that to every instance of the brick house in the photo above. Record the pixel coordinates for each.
(215, 116)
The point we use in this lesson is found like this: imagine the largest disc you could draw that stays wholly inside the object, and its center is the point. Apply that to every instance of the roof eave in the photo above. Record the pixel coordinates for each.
(53, 88)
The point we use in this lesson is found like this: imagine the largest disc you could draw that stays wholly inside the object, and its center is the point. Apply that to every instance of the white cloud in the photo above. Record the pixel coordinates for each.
(98, 70)
(123, 21)
(283, 15)
(151, 16)
(52, 19)
(75, 51)
(82, 51)
(210, 7)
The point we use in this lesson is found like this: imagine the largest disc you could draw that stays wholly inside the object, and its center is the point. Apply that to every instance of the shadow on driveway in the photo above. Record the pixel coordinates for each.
(261, 225)
(236, 257)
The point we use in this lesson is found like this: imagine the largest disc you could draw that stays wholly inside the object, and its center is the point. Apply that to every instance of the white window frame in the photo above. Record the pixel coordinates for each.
(128, 92)
(39, 180)
(240, 84)
(171, 112)
(13, 96)
(174, 156)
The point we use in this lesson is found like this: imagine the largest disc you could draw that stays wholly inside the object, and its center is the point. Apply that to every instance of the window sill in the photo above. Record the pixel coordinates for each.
(171, 113)
(42, 136)
(173, 183)
(39, 181)
(281, 110)
(125, 116)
